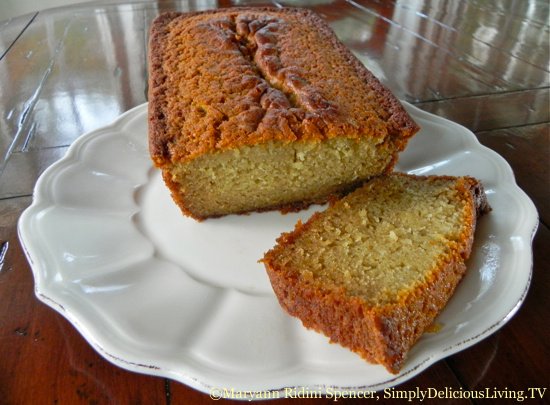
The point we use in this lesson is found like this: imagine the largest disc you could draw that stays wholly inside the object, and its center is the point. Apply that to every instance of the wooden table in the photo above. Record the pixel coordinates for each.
(66, 71)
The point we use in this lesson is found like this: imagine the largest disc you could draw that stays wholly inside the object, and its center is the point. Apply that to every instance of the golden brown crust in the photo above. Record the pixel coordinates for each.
(265, 83)
(156, 86)
(380, 334)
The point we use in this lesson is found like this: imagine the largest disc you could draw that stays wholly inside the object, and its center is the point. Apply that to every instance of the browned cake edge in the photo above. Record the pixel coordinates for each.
(158, 135)
(381, 335)
(401, 129)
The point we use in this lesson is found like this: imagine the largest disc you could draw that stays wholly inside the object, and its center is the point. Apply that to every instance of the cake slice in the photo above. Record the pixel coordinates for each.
(254, 109)
(374, 270)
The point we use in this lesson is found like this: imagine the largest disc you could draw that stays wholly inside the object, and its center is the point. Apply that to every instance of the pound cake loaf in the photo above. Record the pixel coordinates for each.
(254, 109)
(374, 270)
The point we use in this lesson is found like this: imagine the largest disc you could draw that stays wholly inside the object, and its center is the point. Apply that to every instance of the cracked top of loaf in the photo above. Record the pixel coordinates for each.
(228, 78)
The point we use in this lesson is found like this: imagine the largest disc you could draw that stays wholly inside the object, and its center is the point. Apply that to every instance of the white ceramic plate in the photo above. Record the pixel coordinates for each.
(158, 293)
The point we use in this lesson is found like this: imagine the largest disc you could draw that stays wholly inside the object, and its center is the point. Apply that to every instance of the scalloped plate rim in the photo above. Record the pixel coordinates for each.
(42, 285)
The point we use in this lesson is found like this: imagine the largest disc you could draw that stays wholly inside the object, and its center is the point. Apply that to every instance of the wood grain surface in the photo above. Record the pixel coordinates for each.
(66, 71)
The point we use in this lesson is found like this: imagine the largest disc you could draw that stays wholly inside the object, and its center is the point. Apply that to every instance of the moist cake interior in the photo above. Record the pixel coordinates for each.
(276, 174)
(383, 239)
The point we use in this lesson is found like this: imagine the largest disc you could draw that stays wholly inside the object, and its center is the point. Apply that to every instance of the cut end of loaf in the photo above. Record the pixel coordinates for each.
(274, 175)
